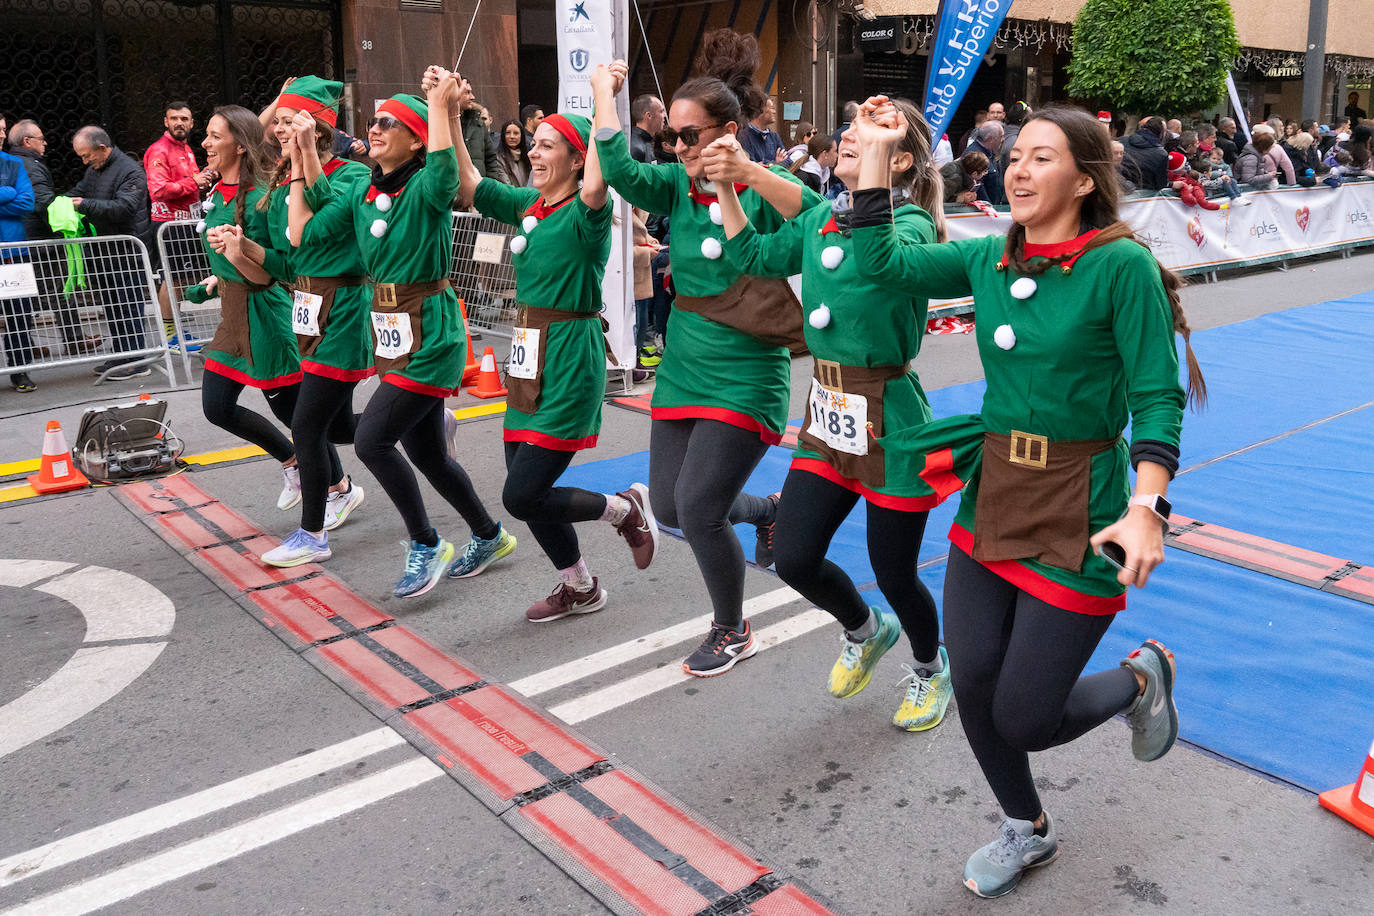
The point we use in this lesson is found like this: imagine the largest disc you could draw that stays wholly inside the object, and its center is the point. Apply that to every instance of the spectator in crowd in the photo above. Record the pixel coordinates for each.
(647, 117)
(1301, 151)
(346, 145)
(987, 139)
(1015, 116)
(816, 170)
(1119, 159)
(1253, 167)
(997, 112)
(1188, 144)
(16, 205)
(664, 149)
(962, 177)
(801, 135)
(113, 196)
(1105, 119)
(515, 154)
(1228, 140)
(1173, 129)
(1333, 134)
(847, 115)
(1276, 125)
(1353, 111)
(1206, 137)
(979, 117)
(758, 138)
(1146, 163)
(477, 139)
(175, 186)
(1358, 146)
(531, 116)
(1289, 129)
(1274, 154)
(1345, 168)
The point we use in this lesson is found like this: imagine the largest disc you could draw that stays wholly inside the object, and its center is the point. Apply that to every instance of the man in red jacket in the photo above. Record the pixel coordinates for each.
(175, 185)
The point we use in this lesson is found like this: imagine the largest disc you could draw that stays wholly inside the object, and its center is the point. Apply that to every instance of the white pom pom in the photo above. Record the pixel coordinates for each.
(517, 244)
(378, 228)
(287, 232)
(1023, 288)
(1004, 336)
(716, 216)
(383, 202)
(528, 223)
(200, 227)
(820, 318)
(711, 248)
(831, 256)
(209, 205)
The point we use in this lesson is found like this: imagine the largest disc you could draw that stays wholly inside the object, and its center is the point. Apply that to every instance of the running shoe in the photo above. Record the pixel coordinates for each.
(290, 488)
(639, 528)
(1153, 716)
(424, 567)
(854, 668)
(566, 601)
(299, 548)
(21, 382)
(926, 698)
(178, 342)
(340, 506)
(996, 869)
(722, 649)
(478, 554)
(451, 434)
(649, 357)
(763, 543)
(129, 371)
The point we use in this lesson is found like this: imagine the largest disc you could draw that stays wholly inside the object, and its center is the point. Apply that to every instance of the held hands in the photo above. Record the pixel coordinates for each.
(726, 161)
(304, 126)
(441, 87)
(610, 77)
(879, 123)
(226, 240)
(210, 283)
(1140, 534)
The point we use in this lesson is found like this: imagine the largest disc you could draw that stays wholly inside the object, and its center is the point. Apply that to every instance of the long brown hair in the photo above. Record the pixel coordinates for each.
(246, 131)
(724, 85)
(923, 182)
(1092, 154)
(324, 146)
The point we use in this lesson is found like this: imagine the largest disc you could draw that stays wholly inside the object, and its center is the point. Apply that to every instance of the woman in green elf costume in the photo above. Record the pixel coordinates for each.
(557, 370)
(720, 398)
(330, 312)
(1076, 324)
(402, 224)
(863, 337)
(253, 346)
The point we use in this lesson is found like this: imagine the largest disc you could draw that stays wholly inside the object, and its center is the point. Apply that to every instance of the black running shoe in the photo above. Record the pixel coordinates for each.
(763, 544)
(721, 651)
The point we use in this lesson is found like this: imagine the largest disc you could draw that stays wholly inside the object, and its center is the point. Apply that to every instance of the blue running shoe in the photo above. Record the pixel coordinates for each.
(177, 343)
(299, 548)
(424, 566)
(996, 869)
(478, 554)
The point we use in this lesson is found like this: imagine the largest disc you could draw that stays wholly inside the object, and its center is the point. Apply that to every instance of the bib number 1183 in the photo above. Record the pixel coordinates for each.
(839, 420)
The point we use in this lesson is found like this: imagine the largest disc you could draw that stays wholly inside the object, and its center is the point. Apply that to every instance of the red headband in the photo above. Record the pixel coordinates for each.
(309, 106)
(406, 116)
(564, 127)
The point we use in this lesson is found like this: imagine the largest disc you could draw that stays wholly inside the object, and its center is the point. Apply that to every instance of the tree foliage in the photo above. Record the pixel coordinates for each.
(1153, 56)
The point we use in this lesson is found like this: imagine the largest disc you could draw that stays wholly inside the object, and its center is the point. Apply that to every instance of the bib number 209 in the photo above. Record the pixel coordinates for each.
(394, 337)
(524, 353)
(839, 420)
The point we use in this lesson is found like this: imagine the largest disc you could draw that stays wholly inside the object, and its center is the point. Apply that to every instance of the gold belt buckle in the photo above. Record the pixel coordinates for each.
(1029, 449)
(385, 293)
(828, 374)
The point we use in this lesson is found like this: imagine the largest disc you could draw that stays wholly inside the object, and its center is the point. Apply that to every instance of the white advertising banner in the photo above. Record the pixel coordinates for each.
(1278, 224)
(592, 32)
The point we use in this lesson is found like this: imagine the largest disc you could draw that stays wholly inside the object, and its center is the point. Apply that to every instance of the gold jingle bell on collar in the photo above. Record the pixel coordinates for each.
(1067, 269)
(999, 267)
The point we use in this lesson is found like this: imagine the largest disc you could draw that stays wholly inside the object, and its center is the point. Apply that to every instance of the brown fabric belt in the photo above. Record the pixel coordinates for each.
(869, 383)
(762, 307)
(408, 298)
(523, 393)
(326, 288)
(233, 337)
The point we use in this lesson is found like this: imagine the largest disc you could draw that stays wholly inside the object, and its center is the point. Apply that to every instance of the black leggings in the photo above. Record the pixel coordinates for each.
(697, 472)
(1016, 663)
(416, 421)
(530, 495)
(219, 398)
(323, 418)
(811, 511)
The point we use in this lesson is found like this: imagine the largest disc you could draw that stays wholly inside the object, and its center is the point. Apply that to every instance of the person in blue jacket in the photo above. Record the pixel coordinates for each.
(16, 202)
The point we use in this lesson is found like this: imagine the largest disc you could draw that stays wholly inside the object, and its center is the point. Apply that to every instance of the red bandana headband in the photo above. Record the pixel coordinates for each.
(309, 106)
(564, 127)
(406, 116)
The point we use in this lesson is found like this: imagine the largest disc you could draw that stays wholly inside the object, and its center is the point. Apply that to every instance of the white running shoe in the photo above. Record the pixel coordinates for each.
(340, 505)
(299, 548)
(290, 488)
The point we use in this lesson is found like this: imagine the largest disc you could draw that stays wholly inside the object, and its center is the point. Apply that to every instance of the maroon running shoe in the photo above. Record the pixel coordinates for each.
(565, 601)
(639, 528)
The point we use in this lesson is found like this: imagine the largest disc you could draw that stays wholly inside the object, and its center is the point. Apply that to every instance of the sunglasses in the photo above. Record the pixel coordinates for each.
(383, 123)
(690, 136)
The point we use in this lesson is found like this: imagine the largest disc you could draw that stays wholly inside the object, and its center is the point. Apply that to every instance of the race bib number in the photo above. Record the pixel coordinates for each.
(392, 330)
(839, 420)
(524, 354)
(305, 313)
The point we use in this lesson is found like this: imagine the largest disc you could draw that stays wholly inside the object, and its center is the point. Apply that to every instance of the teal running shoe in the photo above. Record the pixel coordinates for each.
(996, 869)
(854, 668)
(424, 566)
(478, 554)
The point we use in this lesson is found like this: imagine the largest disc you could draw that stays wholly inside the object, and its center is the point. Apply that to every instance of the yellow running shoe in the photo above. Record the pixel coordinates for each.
(926, 698)
(854, 668)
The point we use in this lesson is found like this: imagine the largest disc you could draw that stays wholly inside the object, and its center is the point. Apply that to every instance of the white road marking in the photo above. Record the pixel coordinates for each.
(69, 849)
(642, 685)
(88, 679)
(576, 670)
(18, 573)
(116, 604)
(145, 874)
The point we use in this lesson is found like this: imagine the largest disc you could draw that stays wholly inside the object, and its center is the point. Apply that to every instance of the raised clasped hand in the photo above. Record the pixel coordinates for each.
(879, 122)
(726, 161)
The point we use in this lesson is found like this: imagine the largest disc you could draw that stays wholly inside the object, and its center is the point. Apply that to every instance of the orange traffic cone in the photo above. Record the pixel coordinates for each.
(57, 473)
(489, 381)
(473, 367)
(1355, 802)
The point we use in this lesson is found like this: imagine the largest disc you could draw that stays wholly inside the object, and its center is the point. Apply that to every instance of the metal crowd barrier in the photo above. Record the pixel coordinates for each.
(482, 274)
(68, 302)
(184, 264)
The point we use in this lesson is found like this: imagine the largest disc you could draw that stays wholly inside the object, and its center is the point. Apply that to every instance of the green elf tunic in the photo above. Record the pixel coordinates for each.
(275, 361)
(560, 267)
(1069, 356)
(864, 324)
(711, 371)
(406, 237)
(327, 249)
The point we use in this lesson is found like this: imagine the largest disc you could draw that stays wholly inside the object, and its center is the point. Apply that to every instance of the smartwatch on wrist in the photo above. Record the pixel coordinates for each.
(1157, 504)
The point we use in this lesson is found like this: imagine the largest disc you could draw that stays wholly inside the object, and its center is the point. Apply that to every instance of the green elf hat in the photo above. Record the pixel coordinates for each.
(411, 111)
(314, 96)
(575, 128)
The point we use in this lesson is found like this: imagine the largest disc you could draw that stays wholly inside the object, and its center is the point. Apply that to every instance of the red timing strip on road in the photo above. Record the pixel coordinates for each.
(614, 832)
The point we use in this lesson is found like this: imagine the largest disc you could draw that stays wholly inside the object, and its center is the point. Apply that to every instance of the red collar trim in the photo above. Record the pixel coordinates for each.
(705, 199)
(541, 208)
(829, 227)
(226, 191)
(1072, 247)
(372, 192)
(332, 166)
